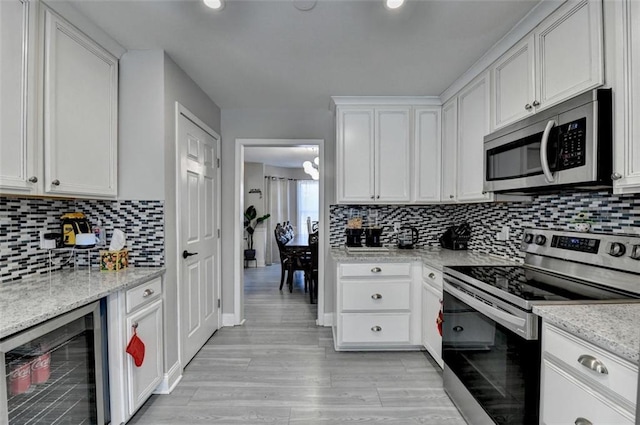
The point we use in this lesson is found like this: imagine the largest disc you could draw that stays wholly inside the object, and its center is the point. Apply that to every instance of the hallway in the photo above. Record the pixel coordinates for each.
(280, 368)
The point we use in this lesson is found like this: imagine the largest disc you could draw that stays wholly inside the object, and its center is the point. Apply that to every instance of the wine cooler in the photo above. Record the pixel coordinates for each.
(54, 372)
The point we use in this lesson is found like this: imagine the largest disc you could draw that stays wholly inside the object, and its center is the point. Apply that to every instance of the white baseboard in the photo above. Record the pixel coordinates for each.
(170, 380)
(228, 319)
(327, 319)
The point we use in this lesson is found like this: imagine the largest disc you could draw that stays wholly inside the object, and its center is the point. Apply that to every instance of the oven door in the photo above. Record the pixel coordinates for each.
(491, 372)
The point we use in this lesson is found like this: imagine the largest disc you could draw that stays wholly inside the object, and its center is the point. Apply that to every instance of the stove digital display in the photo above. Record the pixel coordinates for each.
(576, 244)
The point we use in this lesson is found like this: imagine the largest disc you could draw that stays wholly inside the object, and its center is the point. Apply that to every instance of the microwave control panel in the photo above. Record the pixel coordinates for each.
(572, 144)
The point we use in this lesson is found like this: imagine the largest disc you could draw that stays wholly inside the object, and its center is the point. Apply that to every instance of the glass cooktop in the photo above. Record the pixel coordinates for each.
(520, 285)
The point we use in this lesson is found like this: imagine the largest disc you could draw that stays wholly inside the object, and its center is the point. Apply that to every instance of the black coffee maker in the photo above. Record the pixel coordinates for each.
(354, 237)
(373, 236)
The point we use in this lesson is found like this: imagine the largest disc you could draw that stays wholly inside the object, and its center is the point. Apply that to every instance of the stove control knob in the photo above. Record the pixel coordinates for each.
(617, 249)
(635, 252)
(528, 237)
(540, 239)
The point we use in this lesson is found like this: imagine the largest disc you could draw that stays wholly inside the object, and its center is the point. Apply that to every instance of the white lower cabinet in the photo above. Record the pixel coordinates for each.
(431, 305)
(138, 309)
(377, 306)
(584, 384)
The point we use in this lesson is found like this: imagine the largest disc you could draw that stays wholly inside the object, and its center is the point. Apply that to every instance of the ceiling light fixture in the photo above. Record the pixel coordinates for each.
(214, 4)
(393, 4)
(311, 168)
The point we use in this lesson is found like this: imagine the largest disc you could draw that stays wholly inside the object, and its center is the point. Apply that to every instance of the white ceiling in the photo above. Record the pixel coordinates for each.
(288, 157)
(267, 53)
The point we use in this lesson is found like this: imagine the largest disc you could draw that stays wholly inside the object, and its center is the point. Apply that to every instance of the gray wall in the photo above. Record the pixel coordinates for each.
(267, 124)
(147, 169)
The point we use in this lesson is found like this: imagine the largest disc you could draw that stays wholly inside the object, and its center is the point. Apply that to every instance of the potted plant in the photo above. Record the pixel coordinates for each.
(251, 221)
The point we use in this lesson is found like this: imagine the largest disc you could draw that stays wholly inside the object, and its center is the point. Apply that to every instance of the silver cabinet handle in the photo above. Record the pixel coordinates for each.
(528, 107)
(616, 176)
(376, 296)
(583, 421)
(373, 197)
(458, 328)
(592, 363)
(376, 270)
(56, 182)
(378, 197)
(450, 196)
(536, 103)
(432, 276)
(376, 328)
(33, 179)
(147, 292)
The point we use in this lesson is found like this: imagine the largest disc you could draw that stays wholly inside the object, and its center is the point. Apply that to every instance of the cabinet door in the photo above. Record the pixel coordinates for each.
(432, 340)
(513, 89)
(18, 160)
(627, 100)
(355, 148)
(569, 52)
(427, 154)
(473, 125)
(392, 155)
(141, 381)
(449, 149)
(80, 122)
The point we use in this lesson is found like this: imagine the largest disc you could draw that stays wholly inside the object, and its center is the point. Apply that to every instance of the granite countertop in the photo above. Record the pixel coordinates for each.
(33, 300)
(435, 257)
(613, 327)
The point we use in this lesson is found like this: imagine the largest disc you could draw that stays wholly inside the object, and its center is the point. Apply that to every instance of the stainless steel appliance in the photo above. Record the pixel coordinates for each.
(491, 347)
(567, 145)
(54, 371)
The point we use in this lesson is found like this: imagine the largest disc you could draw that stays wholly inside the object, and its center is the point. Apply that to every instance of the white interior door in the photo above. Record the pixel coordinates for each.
(198, 240)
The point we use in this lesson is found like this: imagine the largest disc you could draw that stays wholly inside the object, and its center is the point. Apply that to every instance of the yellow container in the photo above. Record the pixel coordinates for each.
(112, 261)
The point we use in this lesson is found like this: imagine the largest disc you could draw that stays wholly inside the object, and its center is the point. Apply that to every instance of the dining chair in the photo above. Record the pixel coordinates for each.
(312, 268)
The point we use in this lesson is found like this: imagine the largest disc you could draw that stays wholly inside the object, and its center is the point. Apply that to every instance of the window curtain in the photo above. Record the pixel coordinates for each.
(281, 197)
(308, 202)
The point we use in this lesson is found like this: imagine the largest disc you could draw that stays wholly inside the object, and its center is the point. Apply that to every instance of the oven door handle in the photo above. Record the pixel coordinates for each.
(544, 161)
(491, 312)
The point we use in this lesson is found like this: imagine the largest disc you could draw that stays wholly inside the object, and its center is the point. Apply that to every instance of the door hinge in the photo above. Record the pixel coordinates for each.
(218, 162)
(219, 303)
(218, 233)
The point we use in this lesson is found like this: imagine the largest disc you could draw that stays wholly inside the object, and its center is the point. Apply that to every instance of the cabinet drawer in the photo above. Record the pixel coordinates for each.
(375, 269)
(621, 376)
(375, 328)
(143, 294)
(376, 296)
(432, 276)
(565, 399)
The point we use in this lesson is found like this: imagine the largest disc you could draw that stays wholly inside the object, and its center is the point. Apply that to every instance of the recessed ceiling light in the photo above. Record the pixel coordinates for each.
(393, 4)
(214, 4)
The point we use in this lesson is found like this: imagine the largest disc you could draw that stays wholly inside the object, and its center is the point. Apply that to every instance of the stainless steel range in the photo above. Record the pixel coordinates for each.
(491, 347)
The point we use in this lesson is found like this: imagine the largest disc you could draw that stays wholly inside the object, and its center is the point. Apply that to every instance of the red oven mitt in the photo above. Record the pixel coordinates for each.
(136, 349)
(440, 319)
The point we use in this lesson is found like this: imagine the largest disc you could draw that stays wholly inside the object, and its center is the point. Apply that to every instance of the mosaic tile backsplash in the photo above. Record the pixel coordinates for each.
(22, 219)
(607, 212)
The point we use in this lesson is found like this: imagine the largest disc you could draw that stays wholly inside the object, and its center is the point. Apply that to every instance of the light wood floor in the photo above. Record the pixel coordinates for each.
(280, 368)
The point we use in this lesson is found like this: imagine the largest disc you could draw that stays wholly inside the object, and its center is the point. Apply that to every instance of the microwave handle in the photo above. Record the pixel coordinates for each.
(548, 175)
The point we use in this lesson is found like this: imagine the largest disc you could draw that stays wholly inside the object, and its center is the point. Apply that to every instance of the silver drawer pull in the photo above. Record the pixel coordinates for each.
(432, 276)
(376, 296)
(593, 364)
(147, 293)
(376, 270)
(376, 328)
(458, 328)
(583, 421)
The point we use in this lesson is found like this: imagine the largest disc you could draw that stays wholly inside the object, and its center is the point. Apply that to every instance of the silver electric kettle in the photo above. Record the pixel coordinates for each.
(407, 237)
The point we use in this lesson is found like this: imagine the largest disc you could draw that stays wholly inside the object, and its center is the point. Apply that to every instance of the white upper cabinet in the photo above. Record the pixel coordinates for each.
(626, 165)
(427, 154)
(513, 84)
(18, 157)
(392, 155)
(355, 149)
(373, 154)
(449, 149)
(569, 52)
(80, 112)
(473, 125)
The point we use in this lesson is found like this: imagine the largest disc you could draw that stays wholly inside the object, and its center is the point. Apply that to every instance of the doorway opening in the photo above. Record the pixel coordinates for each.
(270, 177)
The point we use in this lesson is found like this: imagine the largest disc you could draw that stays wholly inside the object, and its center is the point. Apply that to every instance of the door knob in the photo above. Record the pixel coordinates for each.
(536, 103)
(56, 182)
(186, 253)
(33, 179)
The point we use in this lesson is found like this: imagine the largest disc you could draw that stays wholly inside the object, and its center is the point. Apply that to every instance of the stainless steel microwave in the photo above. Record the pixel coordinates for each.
(566, 146)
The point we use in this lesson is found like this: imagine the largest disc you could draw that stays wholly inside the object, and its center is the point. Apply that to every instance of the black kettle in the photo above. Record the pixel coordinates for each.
(407, 237)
